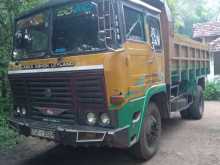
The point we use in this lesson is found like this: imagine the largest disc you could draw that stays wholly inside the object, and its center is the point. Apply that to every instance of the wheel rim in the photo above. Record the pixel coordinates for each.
(153, 131)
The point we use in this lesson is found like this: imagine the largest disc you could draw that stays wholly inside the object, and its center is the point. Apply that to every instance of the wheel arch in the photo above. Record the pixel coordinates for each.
(154, 93)
(160, 99)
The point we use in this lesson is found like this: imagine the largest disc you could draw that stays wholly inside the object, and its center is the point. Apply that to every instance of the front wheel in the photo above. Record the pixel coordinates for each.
(150, 134)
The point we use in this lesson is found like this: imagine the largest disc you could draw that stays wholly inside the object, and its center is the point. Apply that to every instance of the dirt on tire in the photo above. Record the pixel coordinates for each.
(183, 142)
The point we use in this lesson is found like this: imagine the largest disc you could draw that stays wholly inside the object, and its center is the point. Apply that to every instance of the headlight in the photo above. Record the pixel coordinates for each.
(91, 118)
(18, 110)
(23, 111)
(105, 120)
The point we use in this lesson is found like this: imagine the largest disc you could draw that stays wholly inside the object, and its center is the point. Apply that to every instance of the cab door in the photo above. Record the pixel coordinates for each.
(157, 53)
(137, 49)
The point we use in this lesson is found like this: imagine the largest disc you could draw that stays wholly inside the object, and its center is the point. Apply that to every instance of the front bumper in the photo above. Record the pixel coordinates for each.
(74, 135)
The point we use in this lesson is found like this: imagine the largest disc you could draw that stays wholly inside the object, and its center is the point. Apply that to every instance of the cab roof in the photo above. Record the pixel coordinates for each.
(150, 4)
(49, 4)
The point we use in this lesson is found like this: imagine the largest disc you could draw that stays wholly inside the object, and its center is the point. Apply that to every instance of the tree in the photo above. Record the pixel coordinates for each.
(188, 12)
(9, 9)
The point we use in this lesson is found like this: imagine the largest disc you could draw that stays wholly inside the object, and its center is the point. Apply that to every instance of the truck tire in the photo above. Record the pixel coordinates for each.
(196, 111)
(197, 108)
(185, 114)
(148, 144)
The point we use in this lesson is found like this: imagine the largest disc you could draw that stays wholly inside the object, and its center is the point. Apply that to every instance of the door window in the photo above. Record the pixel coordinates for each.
(134, 21)
(155, 33)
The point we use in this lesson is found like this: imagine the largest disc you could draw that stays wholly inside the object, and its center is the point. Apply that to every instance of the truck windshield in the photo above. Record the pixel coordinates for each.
(75, 28)
(31, 36)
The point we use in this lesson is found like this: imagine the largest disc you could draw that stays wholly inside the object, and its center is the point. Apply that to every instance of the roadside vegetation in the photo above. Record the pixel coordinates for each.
(8, 138)
(212, 91)
(9, 9)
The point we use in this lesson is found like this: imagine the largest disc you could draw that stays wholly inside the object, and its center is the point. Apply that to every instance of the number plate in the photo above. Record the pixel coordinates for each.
(42, 133)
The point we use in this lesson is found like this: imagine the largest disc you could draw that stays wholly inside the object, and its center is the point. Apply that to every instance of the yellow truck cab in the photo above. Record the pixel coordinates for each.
(103, 73)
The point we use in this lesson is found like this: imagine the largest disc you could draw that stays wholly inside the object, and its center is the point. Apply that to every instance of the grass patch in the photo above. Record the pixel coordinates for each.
(8, 137)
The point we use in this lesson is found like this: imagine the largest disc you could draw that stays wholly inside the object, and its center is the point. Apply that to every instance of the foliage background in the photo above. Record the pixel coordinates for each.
(188, 12)
(9, 9)
(185, 13)
(212, 91)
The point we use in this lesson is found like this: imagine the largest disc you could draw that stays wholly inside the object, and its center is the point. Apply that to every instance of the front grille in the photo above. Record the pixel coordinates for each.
(19, 90)
(89, 92)
(70, 93)
(60, 96)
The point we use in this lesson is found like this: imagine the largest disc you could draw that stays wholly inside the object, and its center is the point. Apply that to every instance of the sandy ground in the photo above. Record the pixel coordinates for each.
(183, 143)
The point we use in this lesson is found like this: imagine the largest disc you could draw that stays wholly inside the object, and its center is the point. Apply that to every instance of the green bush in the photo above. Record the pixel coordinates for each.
(212, 91)
(8, 137)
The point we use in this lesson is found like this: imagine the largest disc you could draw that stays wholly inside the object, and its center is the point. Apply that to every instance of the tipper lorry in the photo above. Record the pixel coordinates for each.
(104, 73)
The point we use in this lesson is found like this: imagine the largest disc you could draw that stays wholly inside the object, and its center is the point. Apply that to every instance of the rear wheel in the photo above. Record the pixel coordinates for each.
(196, 111)
(150, 134)
(185, 114)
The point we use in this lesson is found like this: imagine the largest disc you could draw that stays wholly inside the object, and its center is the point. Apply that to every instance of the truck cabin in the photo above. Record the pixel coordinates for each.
(62, 28)
(80, 63)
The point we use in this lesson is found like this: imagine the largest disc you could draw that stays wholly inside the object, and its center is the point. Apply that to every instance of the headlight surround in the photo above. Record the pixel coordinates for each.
(91, 118)
(23, 111)
(18, 110)
(105, 119)
(99, 119)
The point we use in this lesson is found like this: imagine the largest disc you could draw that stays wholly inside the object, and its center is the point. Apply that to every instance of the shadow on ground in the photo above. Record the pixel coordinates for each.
(60, 155)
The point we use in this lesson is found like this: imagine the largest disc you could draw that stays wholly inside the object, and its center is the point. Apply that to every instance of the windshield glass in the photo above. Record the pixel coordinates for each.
(31, 36)
(75, 28)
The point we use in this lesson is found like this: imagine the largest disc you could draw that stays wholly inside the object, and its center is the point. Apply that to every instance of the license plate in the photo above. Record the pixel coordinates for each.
(42, 133)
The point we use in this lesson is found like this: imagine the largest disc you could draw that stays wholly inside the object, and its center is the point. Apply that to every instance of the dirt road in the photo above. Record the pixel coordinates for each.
(183, 143)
